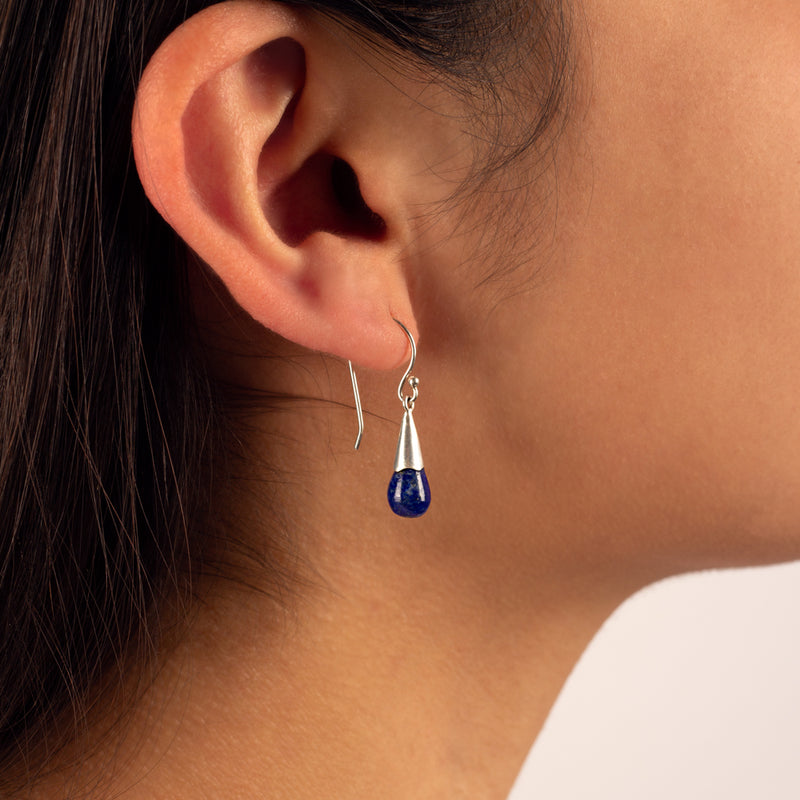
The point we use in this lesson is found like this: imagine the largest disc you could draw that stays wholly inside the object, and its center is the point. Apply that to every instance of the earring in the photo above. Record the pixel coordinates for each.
(409, 494)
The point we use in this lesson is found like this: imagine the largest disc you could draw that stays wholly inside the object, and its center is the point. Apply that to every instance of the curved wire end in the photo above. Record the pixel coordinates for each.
(410, 369)
(411, 342)
(407, 377)
(359, 413)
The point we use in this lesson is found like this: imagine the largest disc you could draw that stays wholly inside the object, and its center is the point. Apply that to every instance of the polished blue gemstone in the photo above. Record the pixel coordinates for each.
(409, 493)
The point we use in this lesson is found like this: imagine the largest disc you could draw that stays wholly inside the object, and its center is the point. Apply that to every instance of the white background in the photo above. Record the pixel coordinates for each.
(690, 691)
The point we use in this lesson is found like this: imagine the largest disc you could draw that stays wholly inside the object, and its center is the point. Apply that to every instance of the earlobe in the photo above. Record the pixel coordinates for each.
(233, 136)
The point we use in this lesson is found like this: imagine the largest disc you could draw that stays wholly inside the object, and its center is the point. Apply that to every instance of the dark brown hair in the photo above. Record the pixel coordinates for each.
(109, 424)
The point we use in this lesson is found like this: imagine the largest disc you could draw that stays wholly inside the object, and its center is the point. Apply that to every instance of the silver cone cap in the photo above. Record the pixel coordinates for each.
(409, 454)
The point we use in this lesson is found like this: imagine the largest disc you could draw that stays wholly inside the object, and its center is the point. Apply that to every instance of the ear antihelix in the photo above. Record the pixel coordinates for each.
(229, 117)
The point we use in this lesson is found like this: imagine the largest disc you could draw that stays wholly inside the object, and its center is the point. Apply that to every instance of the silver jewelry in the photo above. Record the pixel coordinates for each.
(409, 494)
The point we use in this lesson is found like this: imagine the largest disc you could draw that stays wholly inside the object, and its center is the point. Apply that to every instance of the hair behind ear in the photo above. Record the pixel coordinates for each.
(104, 415)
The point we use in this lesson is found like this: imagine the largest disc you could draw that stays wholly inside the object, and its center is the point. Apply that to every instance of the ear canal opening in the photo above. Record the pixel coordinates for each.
(323, 195)
(347, 191)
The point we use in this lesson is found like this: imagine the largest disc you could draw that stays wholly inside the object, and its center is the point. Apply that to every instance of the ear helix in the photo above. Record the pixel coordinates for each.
(409, 494)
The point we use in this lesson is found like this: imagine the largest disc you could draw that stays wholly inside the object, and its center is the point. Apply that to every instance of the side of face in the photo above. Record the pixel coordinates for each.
(643, 392)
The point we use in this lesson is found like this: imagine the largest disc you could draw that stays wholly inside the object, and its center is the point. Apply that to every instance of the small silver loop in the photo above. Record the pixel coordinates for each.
(409, 400)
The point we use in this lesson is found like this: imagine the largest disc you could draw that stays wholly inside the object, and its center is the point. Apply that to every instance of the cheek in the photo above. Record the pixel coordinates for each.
(668, 338)
(669, 420)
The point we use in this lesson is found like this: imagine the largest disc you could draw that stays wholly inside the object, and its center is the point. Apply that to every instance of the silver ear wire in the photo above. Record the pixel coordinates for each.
(409, 400)
(359, 413)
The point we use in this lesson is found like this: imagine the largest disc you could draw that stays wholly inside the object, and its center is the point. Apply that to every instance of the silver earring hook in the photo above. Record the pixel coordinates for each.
(407, 400)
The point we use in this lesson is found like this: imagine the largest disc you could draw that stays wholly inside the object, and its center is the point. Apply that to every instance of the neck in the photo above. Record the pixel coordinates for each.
(376, 687)
(385, 680)
(415, 659)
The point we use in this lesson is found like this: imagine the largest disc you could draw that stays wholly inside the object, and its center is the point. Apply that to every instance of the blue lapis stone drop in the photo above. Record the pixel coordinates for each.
(409, 493)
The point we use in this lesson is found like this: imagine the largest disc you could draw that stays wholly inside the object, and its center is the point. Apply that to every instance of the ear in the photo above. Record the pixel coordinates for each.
(254, 139)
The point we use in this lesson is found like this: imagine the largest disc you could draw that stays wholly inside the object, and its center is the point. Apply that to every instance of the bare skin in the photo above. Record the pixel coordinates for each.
(631, 412)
